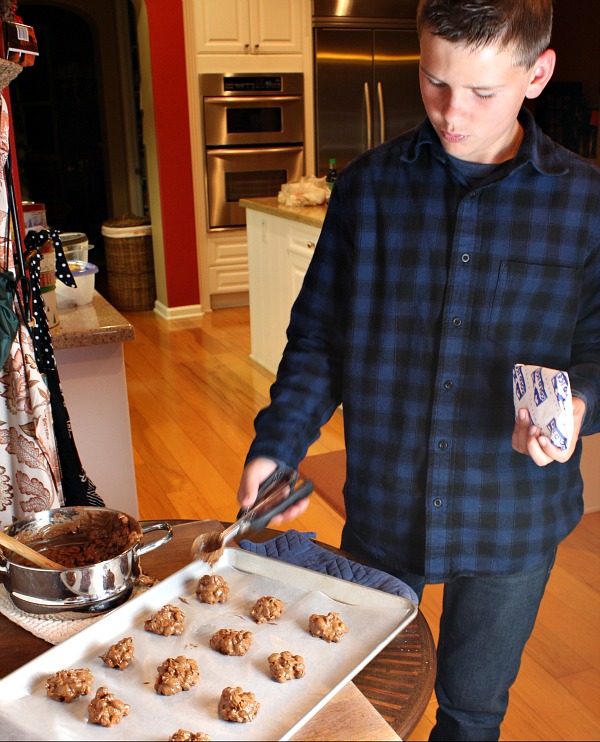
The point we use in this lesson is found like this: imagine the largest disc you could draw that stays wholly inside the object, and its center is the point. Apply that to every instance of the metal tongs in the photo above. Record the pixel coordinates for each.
(277, 493)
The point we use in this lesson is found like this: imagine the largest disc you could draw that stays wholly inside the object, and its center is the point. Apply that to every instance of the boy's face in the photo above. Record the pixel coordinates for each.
(473, 96)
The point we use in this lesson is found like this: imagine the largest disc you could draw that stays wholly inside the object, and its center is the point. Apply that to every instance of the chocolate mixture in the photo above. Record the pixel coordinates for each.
(237, 705)
(89, 537)
(167, 621)
(67, 685)
(182, 735)
(212, 589)
(106, 709)
(330, 628)
(119, 655)
(284, 666)
(266, 609)
(176, 674)
(231, 642)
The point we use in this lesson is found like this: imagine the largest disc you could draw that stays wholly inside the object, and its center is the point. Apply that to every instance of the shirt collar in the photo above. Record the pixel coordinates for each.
(545, 155)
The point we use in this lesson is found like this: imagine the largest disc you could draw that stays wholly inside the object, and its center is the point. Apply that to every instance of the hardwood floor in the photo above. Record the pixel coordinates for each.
(193, 395)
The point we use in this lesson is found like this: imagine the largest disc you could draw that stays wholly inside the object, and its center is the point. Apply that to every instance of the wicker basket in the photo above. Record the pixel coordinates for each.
(131, 292)
(129, 262)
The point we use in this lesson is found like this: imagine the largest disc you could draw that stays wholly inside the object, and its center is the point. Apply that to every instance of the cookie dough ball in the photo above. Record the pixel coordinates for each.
(106, 709)
(119, 655)
(167, 621)
(285, 666)
(145, 581)
(231, 642)
(266, 609)
(212, 589)
(176, 674)
(182, 735)
(67, 685)
(330, 628)
(237, 705)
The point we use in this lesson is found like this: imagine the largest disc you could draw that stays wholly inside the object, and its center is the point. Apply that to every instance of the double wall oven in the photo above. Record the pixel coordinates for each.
(253, 139)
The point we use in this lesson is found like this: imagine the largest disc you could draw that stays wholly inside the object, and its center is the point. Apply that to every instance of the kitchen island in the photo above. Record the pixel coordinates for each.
(88, 346)
(281, 242)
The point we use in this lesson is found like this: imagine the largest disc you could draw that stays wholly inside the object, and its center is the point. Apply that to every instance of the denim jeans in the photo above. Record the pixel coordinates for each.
(485, 624)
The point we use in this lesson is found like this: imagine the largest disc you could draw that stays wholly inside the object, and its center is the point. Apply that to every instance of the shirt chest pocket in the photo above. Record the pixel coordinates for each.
(534, 309)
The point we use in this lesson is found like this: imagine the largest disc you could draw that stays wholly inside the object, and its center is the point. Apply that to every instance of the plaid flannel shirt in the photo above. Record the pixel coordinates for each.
(421, 295)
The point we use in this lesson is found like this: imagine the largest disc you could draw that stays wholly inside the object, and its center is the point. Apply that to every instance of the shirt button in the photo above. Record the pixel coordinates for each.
(465, 257)
(443, 445)
(437, 502)
(457, 321)
(448, 384)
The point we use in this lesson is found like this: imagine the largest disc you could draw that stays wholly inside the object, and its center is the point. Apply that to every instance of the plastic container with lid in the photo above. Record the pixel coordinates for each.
(75, 246)
(85, 278)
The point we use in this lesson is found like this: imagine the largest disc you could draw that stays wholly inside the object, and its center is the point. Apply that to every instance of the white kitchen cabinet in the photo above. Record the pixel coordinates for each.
(300, 248)
(279, 252)
(227, 260)
(248, 26)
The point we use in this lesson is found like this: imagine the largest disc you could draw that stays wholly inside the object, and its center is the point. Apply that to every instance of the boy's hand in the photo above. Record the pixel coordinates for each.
(255, 472)
(529, 440)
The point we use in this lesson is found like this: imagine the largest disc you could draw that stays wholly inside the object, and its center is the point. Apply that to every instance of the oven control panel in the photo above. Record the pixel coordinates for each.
(253, 84)
(287, 83)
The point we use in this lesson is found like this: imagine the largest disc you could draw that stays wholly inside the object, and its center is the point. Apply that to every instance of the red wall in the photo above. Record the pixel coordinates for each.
(165, 22)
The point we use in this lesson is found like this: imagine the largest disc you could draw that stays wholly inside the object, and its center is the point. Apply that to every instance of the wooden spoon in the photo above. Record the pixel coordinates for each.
(30, 554)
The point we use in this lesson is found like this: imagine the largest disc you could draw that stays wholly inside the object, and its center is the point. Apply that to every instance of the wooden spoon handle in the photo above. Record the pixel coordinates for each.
(30, 554)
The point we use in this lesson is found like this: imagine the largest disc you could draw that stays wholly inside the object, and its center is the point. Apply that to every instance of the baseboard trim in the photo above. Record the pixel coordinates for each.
(189, 311)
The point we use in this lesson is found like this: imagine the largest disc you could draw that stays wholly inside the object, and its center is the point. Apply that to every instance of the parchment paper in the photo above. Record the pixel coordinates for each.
(373, 619)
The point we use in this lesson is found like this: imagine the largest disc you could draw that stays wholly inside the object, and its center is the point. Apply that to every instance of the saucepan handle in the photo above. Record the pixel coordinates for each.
(151, 545)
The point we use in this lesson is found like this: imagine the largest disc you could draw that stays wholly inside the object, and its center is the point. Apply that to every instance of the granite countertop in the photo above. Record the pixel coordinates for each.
(97, 323)
(312, 216)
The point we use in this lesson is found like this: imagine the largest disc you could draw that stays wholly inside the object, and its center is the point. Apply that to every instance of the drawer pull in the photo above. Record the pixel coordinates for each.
(310, 245)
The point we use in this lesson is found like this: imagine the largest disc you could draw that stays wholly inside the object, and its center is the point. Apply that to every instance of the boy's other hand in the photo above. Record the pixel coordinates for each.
(529, 440)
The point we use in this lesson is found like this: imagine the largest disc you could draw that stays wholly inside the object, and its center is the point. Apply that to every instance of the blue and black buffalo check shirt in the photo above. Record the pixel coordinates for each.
(422, 293)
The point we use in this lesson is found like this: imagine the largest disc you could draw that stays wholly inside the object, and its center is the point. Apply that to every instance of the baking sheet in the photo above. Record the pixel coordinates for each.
(373, 619)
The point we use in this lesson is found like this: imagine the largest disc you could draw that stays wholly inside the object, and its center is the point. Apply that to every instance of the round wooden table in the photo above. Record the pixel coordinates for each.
(399, 680)
(398, 683)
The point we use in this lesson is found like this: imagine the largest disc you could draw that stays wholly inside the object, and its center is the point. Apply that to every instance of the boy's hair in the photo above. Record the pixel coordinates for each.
(524, 25)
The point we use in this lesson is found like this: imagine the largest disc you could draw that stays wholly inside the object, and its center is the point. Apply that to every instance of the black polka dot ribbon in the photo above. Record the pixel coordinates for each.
(39, 239)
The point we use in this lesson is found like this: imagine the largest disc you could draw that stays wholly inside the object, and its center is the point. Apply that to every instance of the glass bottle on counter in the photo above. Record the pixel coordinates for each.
(331, 173)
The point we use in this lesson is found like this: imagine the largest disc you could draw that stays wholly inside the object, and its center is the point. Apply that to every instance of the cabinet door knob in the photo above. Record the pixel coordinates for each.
(256, 46)
(310, 245)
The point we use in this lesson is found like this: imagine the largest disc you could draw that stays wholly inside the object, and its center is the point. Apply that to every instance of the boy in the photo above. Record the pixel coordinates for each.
(447, 255)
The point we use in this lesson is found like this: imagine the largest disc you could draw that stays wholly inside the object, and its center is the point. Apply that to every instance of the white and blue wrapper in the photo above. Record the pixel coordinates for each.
(546, 392)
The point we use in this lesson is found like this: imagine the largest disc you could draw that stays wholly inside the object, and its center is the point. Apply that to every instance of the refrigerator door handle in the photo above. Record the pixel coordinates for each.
(381, 111)
(368, 110)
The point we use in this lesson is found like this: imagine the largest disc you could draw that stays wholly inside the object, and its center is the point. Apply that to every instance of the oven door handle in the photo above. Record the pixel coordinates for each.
(226, 101)
(235, 151)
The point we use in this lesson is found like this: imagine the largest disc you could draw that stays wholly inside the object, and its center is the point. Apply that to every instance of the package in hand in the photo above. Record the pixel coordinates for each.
(546, 393)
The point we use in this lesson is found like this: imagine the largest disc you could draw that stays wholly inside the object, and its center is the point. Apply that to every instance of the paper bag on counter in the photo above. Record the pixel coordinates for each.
(546, 393)
(308, 191)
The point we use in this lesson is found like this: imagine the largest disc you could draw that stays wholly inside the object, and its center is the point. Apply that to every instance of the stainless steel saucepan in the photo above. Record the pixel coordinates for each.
(100, 548)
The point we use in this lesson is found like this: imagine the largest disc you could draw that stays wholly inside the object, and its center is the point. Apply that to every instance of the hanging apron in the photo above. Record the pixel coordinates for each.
(30, 478)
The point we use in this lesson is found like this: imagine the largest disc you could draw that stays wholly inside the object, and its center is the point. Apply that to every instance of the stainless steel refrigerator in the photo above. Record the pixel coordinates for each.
(366, 81)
